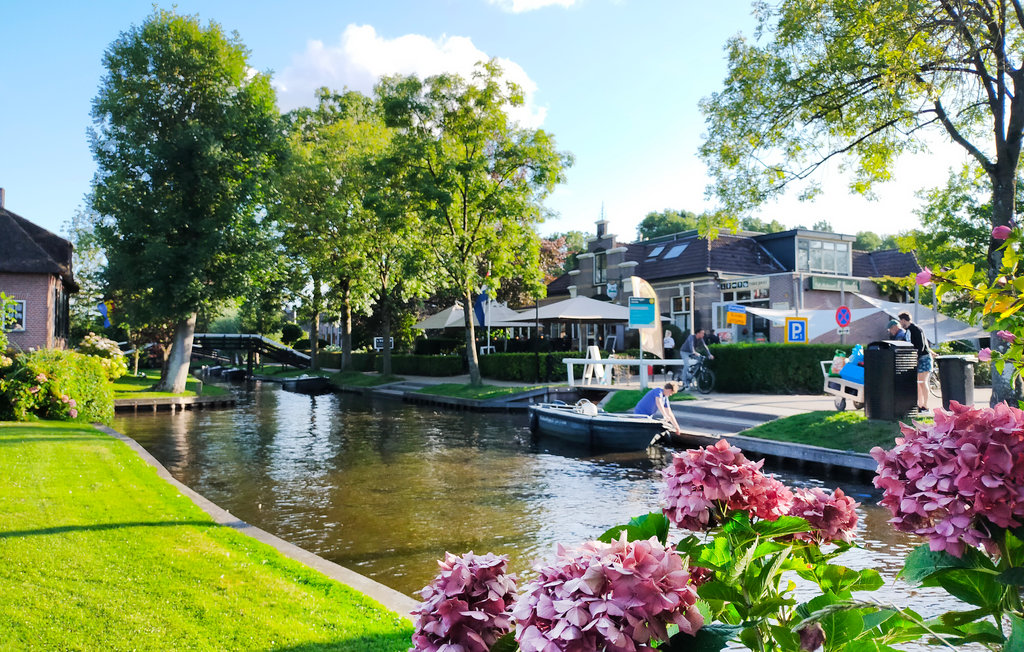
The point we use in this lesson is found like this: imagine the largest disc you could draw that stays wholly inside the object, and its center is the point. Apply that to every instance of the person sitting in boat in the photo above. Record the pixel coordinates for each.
(656, 400)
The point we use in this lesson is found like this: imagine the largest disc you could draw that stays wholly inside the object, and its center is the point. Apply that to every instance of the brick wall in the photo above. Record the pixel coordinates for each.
(37, 291)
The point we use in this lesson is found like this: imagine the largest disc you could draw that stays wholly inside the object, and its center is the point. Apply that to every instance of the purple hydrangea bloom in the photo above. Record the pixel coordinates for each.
(467, 606)
(833, 516)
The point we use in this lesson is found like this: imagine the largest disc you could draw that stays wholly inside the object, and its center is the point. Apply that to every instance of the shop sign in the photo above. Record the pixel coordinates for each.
(754, 283)
(833, 284)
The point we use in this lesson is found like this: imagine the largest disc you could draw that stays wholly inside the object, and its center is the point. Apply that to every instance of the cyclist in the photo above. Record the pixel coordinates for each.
(688, 351)
(656, 400)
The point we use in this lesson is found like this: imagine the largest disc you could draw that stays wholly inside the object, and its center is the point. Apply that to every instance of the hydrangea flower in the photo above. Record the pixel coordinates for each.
(40, 378)
(466, 607)
(1006, 336)
(833, 516)
(952, 480)
(702, 484)
(74, 413)
(985, 354)
(1001, 232)
(614, 596)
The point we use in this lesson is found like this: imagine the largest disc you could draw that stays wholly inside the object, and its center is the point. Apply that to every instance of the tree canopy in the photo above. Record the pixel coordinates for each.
(658, 223)
(184, 135)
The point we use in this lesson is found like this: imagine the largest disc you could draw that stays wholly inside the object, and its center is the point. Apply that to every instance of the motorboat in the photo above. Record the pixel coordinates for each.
(585, 424)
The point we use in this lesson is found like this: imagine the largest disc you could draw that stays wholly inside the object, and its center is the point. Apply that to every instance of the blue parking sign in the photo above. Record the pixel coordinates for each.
(796, 330)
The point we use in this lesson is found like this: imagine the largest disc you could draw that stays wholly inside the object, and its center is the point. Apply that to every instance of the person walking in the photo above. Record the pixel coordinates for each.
(924, 358)
(688, 351)
(656, 400)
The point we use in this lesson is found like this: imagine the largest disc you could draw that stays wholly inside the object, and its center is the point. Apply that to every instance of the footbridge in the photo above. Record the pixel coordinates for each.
(208, 343)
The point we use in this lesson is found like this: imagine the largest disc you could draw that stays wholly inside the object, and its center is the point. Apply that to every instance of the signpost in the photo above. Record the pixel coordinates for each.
(843, 319)
(796, 330)
(736, 315)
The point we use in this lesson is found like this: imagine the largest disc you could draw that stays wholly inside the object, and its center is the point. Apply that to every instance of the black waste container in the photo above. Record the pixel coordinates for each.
(956, 376)
(890, 380)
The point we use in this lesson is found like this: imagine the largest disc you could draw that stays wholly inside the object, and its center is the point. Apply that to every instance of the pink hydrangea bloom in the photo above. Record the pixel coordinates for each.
(703, 483)
(924, 277)
(833, 517)
(72, 403)
(33, 389)
(1006, 336)
(74, 413)
(614, 596)
(467, 606)
(951, 480)
(1001, 232)
(985, 354)
(40, 378)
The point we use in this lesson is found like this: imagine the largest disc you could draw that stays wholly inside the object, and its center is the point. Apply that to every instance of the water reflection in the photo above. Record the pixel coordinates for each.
(386, 488)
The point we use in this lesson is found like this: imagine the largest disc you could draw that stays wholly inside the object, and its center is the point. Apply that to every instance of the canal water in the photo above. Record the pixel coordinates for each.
(385, 488)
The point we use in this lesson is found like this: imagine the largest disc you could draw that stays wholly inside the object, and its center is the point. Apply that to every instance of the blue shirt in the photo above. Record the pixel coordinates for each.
(649, 403)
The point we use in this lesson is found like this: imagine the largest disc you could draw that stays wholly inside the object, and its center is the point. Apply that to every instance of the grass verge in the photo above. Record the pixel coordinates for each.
(625, 400)
(844, 431)
(359, 379)
(129, 386)
(480, 392)
(97, 552)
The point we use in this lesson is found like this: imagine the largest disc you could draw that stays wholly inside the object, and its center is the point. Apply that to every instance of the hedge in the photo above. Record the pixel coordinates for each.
(771, 368)
(423, 365)
(523, 367)
(58, 385)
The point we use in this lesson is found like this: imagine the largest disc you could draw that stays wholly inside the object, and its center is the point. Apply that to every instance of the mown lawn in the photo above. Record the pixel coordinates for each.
(844, 431)
(480, 393)
(360, 379)
(129, 386)
(625, 400)
(98, 553)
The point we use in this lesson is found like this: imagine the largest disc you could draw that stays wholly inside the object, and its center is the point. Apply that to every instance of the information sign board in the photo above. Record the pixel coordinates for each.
(641, 312)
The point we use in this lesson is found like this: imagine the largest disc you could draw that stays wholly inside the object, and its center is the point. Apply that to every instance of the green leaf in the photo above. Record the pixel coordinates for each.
(973, 587)
(1016, 640)
(783, 526)
(720, 591)
(923, 563)
(640, 528)
(959, 618)
(715, 555)
(1011, 577)
(506, 643)
(964, 273)
(710, 638)
(838, 579)
(741, 561)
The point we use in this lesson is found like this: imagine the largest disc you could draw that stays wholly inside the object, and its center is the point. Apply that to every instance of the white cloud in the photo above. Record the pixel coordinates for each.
(519, 6)
(362, 56)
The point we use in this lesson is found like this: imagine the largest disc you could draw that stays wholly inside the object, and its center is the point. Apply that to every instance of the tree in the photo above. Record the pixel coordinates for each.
(822, 225)
(476, 177)
(89, 264)
(749, 223)
(667, 222)
(865, 81)
(184, 135)
(867, 241)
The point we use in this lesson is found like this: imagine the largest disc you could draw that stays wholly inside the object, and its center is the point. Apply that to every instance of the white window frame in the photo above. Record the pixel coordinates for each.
(21, 326)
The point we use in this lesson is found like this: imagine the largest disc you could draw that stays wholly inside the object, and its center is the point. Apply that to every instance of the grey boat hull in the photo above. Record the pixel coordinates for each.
(604, 431)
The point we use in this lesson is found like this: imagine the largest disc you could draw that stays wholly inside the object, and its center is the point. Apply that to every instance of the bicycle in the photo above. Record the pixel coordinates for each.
(699, 376)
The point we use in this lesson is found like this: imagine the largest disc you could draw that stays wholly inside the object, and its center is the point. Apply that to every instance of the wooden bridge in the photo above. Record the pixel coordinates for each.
(211, 343)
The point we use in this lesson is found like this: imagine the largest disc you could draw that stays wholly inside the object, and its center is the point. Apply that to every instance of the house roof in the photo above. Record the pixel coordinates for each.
(26, 248)
(886, 262)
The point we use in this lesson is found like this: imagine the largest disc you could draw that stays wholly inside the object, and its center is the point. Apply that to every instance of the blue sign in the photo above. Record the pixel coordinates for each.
(796, 330)
(641, 312)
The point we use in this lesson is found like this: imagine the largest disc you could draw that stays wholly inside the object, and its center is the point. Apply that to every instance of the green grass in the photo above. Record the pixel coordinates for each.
(98, 553)
(480, 393)
(129, 386)
(844, 431)
(625, 400)
(290, 372)
(359, 379)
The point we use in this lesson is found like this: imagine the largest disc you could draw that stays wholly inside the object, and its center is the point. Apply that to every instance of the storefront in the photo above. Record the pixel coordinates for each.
(741, 293)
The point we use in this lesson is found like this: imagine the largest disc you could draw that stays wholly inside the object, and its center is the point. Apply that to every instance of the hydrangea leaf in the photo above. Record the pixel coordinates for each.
(640, 528)
(1012, 577)
(973, 587)
(783, 526)
(506, 643)
(1016, 640)
(958, 618)
(710, 638)
(923, 563)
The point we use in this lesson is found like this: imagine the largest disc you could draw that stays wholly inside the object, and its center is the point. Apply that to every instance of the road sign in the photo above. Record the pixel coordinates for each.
(736, 315)
(843, 331)
(641, 312)
(843, 316)
(796, 330)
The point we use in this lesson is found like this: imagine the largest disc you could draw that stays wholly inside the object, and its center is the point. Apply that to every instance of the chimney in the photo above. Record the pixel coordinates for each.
(1, 199)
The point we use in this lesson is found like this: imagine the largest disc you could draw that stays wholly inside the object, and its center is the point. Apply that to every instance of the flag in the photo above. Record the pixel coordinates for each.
(650, 338)
(102, 307)
(478, 308)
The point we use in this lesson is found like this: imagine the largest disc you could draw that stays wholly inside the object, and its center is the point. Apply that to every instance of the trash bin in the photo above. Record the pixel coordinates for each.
(890, 380)
(956, 377)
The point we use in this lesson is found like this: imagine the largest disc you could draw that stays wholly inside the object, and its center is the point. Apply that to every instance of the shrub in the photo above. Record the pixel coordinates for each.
(59, 385)
(526, 367)
(291, 332)
(423, 365)
(771, 368)
(107, 352)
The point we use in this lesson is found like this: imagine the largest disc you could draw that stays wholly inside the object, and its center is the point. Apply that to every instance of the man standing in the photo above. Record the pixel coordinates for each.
(655, 401)
(897, 333)
(669, 346)
(689, 352)
(924, 359)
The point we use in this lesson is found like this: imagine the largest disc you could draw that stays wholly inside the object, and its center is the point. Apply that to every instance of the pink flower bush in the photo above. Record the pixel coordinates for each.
(614, 596)
(1006, 336)
(466, 607)
(924, 277)
(73, 413)
(1001, 232)
(703, 483)
(40, 378)
(833, 517)
(953, 480)
(985, 354)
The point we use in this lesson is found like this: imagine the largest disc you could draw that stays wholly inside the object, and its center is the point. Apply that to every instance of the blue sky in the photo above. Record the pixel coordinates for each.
(616, 81)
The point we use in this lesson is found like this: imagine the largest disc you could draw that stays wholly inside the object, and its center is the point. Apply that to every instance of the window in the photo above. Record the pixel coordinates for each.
(61, 310)
(657, 250)
(823, 257)
(600, 267)
(16, 320)
(676, 250)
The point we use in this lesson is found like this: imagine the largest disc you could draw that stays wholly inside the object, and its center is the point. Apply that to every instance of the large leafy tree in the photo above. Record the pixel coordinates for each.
(477, 178)
(656, 224)
(184, 134)
(89, 264)
(863, 81)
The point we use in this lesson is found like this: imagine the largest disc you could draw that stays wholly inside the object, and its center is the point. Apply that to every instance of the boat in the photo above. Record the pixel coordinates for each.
(307, 384)
(584, 424)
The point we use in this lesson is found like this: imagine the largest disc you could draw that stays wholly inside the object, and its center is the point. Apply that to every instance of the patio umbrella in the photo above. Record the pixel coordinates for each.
(577, 309)
(454, 317)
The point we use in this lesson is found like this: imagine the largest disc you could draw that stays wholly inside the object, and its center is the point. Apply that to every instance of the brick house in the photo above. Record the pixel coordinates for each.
(35, 270)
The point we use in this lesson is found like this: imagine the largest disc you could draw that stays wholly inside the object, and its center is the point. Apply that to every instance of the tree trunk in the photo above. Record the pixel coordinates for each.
(346, 326)
(314, 326)
(176, 368)
(1004, 189)
(385, 323)
(474, 364)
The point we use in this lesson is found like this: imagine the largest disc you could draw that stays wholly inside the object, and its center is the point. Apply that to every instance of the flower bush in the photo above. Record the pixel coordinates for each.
(58, 385)
(616, 596)
(107, 352)
(467, 605)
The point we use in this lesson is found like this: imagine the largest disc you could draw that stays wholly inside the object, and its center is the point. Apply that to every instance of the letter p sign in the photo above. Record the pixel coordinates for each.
(796, 330)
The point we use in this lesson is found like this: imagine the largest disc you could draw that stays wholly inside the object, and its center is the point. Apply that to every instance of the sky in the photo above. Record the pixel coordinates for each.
(617, 82)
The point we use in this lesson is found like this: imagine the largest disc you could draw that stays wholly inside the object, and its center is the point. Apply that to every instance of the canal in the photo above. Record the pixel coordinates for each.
(385, 488)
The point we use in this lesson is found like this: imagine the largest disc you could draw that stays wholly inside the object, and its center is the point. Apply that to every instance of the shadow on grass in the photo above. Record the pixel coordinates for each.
(46, 440)
(62, 529)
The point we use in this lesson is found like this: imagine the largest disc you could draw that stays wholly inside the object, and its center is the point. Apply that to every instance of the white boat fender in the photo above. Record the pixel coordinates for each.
(583, 406)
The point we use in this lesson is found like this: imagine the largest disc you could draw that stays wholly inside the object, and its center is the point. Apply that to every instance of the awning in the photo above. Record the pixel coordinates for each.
(819, 322)
(577, 309)
(937, 327)
(497, 315)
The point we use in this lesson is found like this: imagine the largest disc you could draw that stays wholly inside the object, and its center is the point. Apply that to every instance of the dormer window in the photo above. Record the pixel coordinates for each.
(600, 267)
(657, 250)
(823, 257)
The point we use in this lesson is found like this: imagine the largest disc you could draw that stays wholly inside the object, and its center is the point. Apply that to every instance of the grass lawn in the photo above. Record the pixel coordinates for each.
(129, 386)
(480, 393)
(359, 379)
(98, 553)
(625, 400)
(290, 372)
(844, 431)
